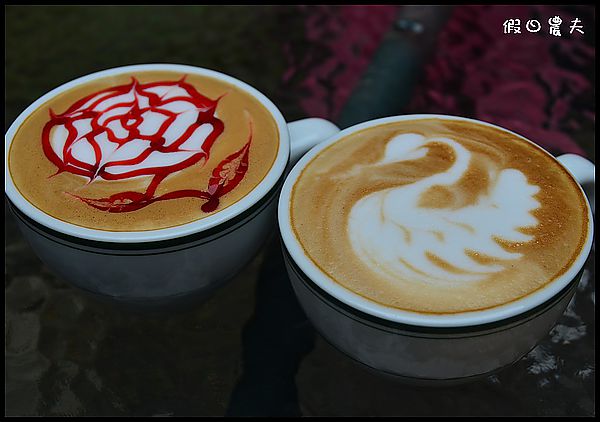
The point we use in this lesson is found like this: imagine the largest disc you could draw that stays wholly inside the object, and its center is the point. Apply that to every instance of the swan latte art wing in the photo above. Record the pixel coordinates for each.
(143, 151)
(438, 216)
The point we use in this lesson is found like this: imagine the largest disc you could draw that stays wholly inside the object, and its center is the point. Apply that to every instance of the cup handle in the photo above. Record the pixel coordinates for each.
(584, 171)
(306, 133)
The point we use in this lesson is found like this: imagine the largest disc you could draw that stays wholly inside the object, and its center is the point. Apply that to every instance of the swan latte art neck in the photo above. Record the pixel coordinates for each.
(438, 216)
(143, 150)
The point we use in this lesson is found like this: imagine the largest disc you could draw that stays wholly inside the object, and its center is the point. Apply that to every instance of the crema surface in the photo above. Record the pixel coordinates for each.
(143, 150)
(438, 216)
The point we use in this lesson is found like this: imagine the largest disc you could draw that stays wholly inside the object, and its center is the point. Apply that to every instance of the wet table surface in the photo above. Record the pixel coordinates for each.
(248, 349)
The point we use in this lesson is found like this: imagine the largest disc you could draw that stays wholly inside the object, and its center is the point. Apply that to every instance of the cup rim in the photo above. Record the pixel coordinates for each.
(461, 319)
(266, 184)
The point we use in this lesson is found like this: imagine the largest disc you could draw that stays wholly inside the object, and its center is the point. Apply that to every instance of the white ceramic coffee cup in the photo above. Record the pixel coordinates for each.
(426, 347)
(159, 266)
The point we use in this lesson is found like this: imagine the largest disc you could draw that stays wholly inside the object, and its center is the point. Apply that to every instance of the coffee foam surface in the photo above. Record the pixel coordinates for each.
(89, 165)
(438, 216)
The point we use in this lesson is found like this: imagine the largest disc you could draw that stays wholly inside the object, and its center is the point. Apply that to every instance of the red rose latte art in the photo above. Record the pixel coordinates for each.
(158, 138)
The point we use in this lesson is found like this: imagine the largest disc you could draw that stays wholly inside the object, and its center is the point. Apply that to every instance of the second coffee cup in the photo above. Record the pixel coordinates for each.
(435, 248)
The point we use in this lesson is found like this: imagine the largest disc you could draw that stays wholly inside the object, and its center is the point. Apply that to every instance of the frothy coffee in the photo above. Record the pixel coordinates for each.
(438, 216)
(143, 150)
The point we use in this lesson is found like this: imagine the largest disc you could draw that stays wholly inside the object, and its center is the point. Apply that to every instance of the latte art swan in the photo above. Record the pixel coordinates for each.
(396, 237)
(438, 215)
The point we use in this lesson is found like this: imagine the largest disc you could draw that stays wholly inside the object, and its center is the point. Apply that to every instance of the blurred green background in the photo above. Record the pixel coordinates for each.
(50, 45)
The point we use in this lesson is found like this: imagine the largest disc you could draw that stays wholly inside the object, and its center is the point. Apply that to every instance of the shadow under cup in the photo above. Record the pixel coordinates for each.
(416, 348)
(165, 275)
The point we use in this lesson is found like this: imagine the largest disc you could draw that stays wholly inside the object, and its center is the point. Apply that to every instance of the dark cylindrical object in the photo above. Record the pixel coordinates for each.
(387, 84)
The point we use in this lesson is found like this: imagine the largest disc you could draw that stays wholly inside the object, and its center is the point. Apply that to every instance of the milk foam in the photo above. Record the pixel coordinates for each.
(397, 238)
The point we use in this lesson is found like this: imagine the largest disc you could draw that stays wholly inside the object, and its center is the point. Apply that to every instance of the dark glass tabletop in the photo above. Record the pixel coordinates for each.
(249, 349)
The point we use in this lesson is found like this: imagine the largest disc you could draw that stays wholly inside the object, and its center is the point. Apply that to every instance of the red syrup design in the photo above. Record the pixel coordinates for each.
(122, 110)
